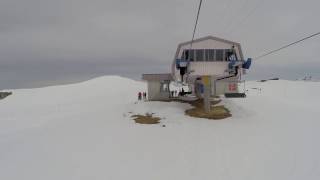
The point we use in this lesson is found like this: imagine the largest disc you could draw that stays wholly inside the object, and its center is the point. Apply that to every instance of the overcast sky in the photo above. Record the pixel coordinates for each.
(44, 42)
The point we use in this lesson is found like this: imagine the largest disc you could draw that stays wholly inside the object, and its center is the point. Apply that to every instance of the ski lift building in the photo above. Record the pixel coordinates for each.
(158, 86)
(208, 56)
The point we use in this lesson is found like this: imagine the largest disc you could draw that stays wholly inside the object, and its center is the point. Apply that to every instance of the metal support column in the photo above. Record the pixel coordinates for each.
(207, 93)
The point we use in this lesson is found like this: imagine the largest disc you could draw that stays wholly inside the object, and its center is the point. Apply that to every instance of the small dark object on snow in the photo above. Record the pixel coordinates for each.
(144, 96)
(272, 79)
(163, 125)
(139, 96)
(235, 95)
(4, 94)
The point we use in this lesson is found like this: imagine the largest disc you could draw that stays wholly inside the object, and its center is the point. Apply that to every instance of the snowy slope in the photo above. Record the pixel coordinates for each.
(83, 131)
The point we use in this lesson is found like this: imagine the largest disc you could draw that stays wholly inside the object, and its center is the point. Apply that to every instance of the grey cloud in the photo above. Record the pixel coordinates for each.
(133, 37)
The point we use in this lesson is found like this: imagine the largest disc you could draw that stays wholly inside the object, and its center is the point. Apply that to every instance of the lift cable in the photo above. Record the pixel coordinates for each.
(245, 18)
(286, 46)
(235, 15)
(225, 16)
(195, 26)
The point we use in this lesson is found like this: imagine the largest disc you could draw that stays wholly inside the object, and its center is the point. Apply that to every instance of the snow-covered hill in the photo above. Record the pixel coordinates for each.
(84, 131)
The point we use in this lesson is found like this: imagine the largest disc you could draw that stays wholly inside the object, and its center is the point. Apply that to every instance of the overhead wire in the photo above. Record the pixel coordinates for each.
(196, 23)
(249, 14)
(286, 46)
(223, 18)
(258, 57)
(240, 8)
(195, 29)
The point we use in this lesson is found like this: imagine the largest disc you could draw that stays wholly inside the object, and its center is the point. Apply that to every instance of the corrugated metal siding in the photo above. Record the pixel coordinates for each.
(223, 86)
(158, 77)
(154, 92)
(209, 68)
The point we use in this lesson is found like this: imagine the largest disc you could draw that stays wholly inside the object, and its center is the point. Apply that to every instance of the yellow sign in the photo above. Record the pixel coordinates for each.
(206, 80)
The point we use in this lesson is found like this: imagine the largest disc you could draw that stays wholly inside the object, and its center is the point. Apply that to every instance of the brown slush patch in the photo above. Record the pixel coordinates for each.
(216, 113)
(146, 119)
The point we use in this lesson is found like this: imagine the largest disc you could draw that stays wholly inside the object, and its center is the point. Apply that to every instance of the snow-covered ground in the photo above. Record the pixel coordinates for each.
(84, 131)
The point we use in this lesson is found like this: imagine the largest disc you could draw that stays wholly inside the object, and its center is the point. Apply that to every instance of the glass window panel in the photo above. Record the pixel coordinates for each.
(206, 54)
(186, 54)
(199, 55)
(228, 53)
(211, 54)
(191, 55)
(183, 56)
(164, 87)
(219, 55)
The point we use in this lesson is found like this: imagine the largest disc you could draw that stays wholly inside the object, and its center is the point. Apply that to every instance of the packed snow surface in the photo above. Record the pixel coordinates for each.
(84, 131)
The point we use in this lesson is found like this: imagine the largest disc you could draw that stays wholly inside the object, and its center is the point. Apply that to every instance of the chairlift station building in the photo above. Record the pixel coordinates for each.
(207, 57)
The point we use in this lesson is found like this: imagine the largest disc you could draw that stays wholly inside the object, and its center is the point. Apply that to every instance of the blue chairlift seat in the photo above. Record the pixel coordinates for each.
(181, 63)
(247, 64)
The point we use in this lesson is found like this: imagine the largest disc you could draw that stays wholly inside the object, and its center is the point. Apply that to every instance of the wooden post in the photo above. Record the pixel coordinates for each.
(207, 92)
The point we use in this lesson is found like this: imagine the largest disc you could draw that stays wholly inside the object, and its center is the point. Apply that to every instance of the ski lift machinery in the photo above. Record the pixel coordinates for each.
(208, 83)
(235, 68)
(232, 73)
(227, 74)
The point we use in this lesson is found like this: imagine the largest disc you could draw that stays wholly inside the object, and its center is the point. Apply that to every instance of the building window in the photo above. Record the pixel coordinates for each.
(185, 55)
(206, 54)
(219, 55)
(230, 55)
(200, 55)
(210, 55)
(164, 87)
(191, 55)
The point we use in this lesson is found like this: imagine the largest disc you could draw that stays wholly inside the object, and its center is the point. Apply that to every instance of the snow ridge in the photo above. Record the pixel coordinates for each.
(84, 131)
